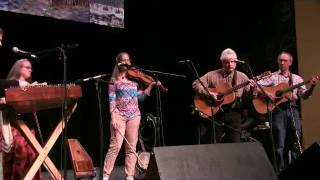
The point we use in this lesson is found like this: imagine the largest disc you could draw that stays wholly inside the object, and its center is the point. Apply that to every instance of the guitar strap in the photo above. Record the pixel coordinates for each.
(234, 79)
(293, 103)
(234, 83)
(290, 79)
(296, 144)
(236, 103)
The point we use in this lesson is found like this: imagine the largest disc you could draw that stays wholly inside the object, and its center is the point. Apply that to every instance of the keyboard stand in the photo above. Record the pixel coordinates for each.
(44, 151)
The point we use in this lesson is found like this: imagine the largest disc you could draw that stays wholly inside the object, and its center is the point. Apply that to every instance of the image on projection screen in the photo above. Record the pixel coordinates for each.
(102, 12)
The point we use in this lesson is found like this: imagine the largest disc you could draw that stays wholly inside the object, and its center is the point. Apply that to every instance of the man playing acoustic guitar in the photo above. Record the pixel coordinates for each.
(218, 80)
(283, 89)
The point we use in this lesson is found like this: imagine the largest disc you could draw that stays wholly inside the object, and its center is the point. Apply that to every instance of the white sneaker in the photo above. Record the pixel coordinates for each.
(130, 178)
(105, 177)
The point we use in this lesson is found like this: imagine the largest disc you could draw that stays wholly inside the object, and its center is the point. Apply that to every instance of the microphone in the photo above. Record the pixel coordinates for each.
(17, 50)
(239, 61)
(183, 61)
(91, 78)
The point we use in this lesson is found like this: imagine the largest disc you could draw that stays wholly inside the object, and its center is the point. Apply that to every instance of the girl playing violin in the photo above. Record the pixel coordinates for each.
(125, 115)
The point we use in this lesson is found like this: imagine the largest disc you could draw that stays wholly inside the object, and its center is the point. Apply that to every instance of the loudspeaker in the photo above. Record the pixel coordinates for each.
(230, 161)
(306, 166)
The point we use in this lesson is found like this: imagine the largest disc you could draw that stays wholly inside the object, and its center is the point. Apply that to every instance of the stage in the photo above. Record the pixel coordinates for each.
(117, 174)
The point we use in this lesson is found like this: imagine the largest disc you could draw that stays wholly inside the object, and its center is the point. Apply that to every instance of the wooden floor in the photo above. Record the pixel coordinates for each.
(117, 174)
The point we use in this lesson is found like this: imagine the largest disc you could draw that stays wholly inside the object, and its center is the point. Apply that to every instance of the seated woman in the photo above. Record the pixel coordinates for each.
(18, 155)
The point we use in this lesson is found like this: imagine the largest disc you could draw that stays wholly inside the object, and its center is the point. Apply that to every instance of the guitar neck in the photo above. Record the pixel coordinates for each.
(235, 88)
(295, 86)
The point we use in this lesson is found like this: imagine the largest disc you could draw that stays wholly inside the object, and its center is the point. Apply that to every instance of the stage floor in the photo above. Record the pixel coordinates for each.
(117, 174)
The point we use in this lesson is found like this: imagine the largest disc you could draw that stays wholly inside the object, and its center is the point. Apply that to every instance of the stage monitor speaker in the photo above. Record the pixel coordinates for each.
(230, 161)
(307, 166)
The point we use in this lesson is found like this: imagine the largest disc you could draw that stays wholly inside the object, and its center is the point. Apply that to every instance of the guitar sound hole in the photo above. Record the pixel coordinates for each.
(278, 94)
(220, 97)
(211, 101)
(214, 102)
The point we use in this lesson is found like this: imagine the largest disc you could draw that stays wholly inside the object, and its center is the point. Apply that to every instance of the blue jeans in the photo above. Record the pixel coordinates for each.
(284, 135)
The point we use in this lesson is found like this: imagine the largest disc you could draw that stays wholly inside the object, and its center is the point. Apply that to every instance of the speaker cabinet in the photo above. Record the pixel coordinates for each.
(306, 166)
(230, 161)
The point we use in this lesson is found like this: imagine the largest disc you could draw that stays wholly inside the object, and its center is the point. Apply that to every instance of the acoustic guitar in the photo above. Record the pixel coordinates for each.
(226, 95)
(282, 93)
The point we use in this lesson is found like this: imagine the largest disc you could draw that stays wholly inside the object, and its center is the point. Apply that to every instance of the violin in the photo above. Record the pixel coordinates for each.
(138, 75)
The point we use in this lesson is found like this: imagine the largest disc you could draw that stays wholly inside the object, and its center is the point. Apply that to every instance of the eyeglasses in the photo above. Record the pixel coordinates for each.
(284, 59)
(27, 67)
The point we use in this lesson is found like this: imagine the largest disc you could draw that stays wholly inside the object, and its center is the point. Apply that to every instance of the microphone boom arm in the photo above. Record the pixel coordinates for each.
(91, 78)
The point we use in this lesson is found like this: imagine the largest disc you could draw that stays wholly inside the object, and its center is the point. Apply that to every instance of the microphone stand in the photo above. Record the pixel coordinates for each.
(55, 49)
(63, 57)
(159, 129)
(221, 124)
(97, 82)
(195, 72)
(164, 73)
(269, 102)
(98, 89)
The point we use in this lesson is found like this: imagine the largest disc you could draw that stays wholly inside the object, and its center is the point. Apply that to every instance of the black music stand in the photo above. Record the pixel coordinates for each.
(159, 123)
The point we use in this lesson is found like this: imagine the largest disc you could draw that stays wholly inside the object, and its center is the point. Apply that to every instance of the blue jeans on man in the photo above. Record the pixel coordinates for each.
(284, 135)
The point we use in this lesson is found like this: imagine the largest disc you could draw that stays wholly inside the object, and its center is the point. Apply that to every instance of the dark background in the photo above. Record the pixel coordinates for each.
(157, 34)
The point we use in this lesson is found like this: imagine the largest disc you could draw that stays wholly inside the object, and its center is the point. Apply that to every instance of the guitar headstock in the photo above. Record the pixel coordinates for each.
(264, 75)
(315, 79)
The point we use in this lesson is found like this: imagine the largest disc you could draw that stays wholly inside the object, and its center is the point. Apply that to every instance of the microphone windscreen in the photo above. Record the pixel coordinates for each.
(15, 49)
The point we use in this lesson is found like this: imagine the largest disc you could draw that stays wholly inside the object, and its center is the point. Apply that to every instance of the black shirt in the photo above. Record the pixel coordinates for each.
(4, 83)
